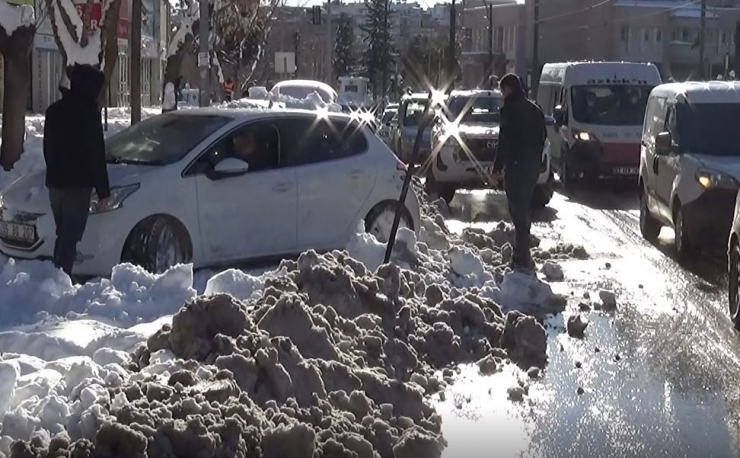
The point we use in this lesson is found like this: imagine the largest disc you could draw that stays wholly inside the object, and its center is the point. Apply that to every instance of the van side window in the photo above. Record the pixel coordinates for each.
(670, 120)
(654, 118)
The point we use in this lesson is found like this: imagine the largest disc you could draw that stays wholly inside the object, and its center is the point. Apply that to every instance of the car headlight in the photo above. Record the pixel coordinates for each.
(117, 196)
(711, 179)
(584, 136)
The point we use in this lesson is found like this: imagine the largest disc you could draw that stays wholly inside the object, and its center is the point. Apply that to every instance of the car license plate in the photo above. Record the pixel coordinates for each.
(625, 170)
(16, 231)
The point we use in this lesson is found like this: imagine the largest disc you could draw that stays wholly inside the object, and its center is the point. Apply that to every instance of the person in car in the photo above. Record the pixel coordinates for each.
(522, 137)
(74, 151)
(246, 148)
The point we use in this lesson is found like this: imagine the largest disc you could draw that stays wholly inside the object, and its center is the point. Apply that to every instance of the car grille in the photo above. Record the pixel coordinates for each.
(483, 150)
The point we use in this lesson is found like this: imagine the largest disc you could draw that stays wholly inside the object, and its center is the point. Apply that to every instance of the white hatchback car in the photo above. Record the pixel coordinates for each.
(213, 187)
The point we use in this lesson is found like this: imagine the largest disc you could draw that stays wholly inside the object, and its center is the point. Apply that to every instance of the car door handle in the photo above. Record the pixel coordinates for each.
(282, 187)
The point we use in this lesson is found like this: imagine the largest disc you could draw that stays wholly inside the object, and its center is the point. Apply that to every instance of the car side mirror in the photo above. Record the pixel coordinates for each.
(560, 116)
(228, 167)
(549, 121)
(663, 144)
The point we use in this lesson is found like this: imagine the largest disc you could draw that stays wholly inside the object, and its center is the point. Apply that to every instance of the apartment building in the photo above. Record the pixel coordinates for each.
(664, 32)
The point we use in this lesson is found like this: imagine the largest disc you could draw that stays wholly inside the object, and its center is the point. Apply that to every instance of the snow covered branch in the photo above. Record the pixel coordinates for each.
(12, 17)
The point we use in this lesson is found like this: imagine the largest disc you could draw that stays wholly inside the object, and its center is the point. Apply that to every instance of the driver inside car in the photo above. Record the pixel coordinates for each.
(256, 147)
(245, 147)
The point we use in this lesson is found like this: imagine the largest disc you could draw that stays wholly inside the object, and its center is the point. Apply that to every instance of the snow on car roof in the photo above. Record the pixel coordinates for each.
(701, 92)
(477, 93)
(238, 113)
(306, 83)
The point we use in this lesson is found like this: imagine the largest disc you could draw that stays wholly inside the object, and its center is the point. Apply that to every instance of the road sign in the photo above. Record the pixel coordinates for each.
(284, 62)
(202, 59)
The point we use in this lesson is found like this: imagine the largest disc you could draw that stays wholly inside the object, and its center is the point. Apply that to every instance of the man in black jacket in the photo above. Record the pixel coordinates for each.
(74, 150)
(521, 140)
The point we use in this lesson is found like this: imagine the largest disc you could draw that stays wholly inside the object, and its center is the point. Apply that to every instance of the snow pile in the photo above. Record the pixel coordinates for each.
(12, 17)
(330, 360)
(30, 290)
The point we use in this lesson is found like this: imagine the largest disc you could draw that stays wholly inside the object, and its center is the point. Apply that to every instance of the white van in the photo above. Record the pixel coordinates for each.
(598, 109)
(690, 162)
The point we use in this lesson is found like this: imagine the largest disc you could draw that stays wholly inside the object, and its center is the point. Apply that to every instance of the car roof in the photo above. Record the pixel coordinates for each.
(256, 113)
(700, 92)
(306, 83)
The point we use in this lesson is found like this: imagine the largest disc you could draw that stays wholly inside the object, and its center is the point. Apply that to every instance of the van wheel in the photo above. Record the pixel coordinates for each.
(379, 221)
(437, 190)
(684, 246)
(158, 243)
(734, 283)
(569, 180)
(649, 226)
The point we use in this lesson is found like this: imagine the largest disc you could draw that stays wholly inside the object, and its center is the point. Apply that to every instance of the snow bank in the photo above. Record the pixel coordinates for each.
(33, 289)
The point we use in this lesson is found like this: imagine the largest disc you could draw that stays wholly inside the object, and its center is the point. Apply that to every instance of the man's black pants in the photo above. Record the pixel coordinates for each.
(520, 181)
(70, 207)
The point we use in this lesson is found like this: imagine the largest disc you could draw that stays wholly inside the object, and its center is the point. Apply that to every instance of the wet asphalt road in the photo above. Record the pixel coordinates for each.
(659, 375)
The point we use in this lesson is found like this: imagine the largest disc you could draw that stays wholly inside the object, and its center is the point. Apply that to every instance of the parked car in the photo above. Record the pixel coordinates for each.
(690, 162)
(213, 187)
(599, 108)
(385, 125)
(410, 111)
(464, 147)
(301, 89)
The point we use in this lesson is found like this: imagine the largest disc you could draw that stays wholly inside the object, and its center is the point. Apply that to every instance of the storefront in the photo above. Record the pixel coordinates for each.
(46, 61)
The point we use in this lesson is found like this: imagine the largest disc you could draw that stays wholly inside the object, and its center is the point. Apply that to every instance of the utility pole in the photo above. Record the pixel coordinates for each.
(702, 38)
(489, 12)
(204, 99)
(451, 56)
(737, 50)
(135, 61)
(329, 45)
(535, 75)
(384, 72)
(296, 47)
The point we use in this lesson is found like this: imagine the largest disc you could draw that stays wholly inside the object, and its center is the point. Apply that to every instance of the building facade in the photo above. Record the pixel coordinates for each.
(658, 31)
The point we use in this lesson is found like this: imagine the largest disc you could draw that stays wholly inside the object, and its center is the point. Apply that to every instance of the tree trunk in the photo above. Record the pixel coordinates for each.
(172, 70)
(135, 74)
(16, 51)
(109, 34)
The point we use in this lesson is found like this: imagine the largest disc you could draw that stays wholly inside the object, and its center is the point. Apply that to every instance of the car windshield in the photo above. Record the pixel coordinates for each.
(387, 117)
(708, 128)
(610, 105)
(414, 111)
(161, 140)
(475, 109)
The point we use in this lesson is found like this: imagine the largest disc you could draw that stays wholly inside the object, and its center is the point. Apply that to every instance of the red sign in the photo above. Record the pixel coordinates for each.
(96, 16)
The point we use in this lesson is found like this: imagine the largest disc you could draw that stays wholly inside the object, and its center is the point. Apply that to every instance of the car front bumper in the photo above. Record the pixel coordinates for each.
(604, 159)
(97, 253)
(708, 219)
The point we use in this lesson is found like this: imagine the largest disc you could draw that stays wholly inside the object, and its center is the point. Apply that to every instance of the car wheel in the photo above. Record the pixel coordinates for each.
(649, 226)
(734, 284)
(684, 247)
(436, 190)
(542, 194)
(157, 244)
(379, 221)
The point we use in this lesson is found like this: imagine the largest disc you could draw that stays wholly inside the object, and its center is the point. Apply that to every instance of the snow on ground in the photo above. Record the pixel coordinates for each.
(332, 352)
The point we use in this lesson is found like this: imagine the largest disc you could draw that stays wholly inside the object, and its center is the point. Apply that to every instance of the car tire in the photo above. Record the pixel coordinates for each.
(684, 246)
(435, 189)
(649, 225)
(379, 221)
(543, 194)
(734, 283)
(157, 244)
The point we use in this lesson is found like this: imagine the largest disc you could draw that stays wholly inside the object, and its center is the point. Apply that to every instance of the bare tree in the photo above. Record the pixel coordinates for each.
(17, 29)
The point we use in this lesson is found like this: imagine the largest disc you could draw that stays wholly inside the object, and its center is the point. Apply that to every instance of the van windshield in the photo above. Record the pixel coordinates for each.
(414, 111)
(708, 128)
(610, 105)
